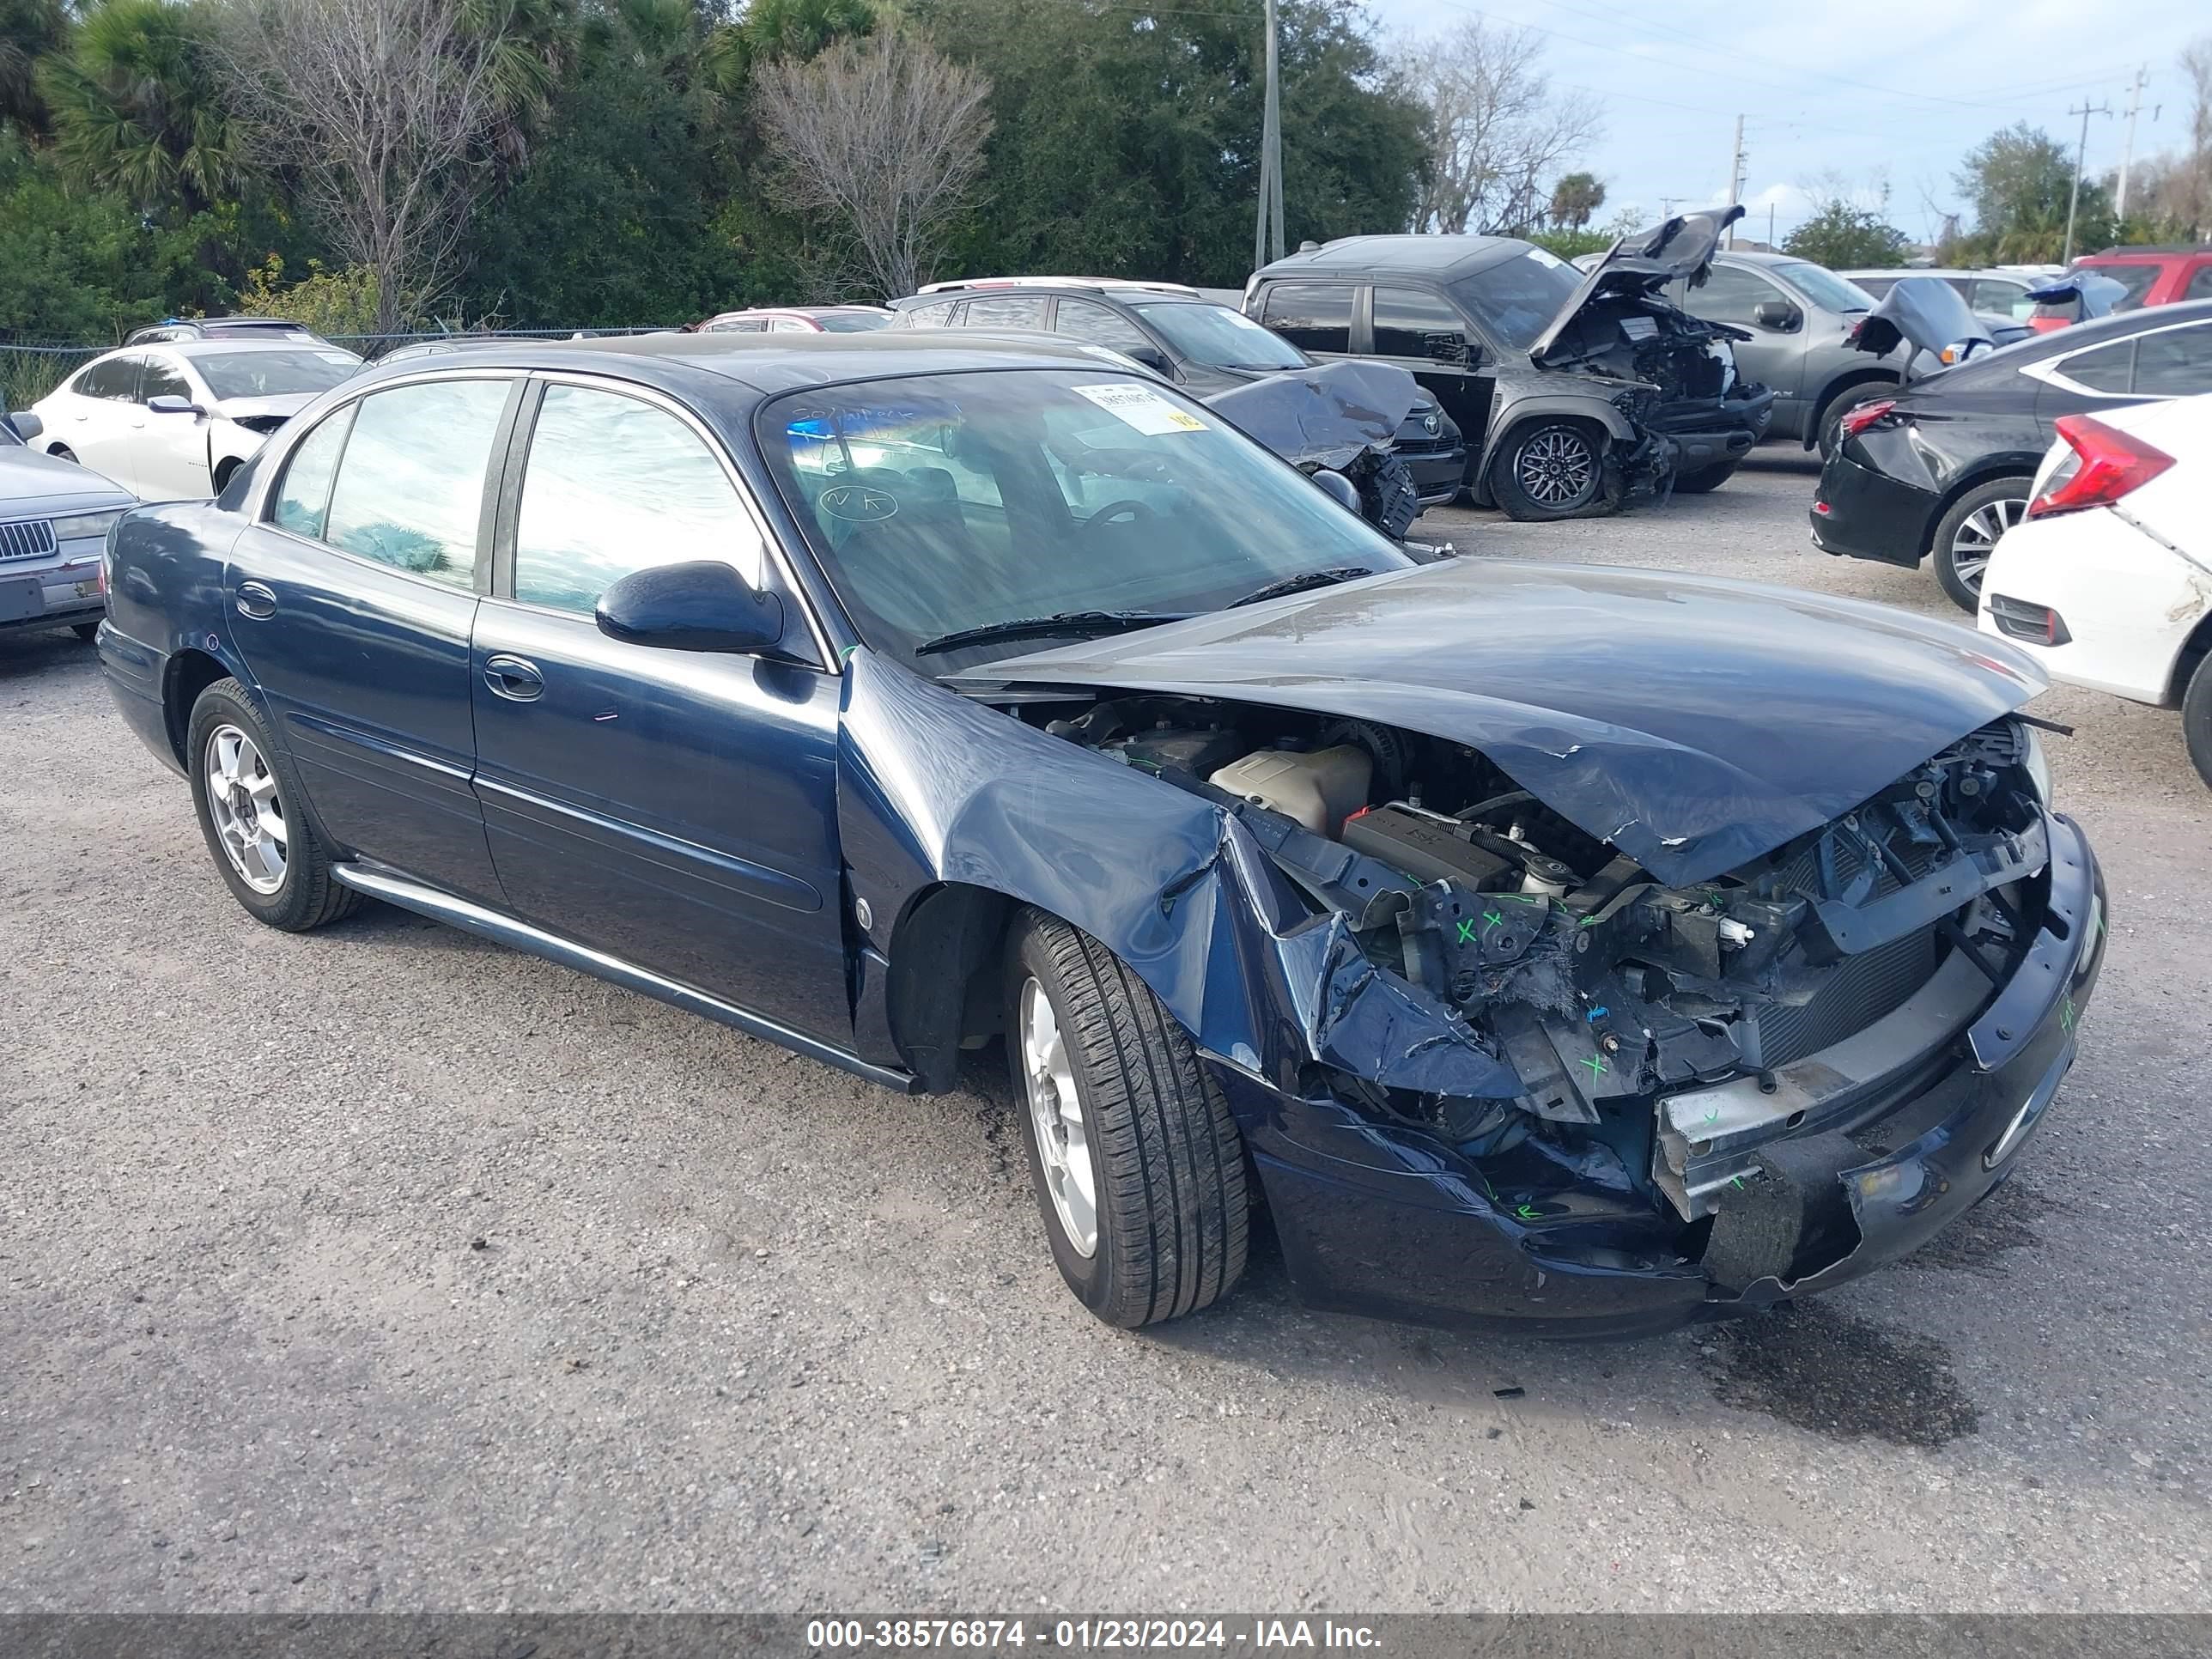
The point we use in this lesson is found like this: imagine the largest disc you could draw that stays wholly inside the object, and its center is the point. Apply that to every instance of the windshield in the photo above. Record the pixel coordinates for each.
(1515, 299)
(273, 373)
(1221, 337)
(1823, 286)
(937, 503)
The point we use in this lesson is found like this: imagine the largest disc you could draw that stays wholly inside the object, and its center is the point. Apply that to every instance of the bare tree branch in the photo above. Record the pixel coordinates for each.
(885, 137)
(1496, 133)
(383, 110)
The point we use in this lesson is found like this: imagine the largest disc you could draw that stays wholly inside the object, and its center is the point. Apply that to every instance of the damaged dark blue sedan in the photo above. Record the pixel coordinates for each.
(1582, 951)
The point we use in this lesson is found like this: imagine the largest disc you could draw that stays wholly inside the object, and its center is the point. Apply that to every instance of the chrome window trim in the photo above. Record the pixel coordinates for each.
(2049, 370)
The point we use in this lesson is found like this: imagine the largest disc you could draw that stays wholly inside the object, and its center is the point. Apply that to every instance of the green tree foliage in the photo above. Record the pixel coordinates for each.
(1575, 199)
(2019, 180)
(135, 107)
(1126, 142)
(29, 30)
(1844, 237)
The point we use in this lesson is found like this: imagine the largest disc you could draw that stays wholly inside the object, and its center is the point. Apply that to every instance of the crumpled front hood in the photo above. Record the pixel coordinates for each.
(1680, 247)
(1694, 722)
(1323, 416)
(1926, 311)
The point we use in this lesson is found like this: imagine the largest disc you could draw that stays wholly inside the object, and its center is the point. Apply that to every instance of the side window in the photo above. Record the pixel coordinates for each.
(1019, 311)
(409, 491)
(1999, 298)
(1100, 324)
(1312, 316)
(1411, 322)
(162, 379)
(1875, 286)
(116, 378)
(937, 316)
(614, 485)
(2175, 363)
(1728, 296)
(742, 326)
(2200, 285)
(2107, 369)
(787, 325)
(303, 496)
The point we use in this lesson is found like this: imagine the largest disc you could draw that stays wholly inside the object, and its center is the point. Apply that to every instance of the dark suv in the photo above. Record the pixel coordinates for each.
(1574, 391)
(1177, 332)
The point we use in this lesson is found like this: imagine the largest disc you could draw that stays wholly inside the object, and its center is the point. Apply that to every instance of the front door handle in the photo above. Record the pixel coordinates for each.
(256, 599)
(511, 677)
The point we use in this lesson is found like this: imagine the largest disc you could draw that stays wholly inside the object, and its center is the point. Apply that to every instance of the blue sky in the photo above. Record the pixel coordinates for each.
(1894, 89)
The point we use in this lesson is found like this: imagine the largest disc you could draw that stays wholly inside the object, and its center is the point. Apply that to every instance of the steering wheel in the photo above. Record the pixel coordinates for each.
(1128, 511)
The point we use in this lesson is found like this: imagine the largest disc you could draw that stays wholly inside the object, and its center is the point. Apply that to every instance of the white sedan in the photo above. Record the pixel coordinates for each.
(175, 421)
(2108, 577)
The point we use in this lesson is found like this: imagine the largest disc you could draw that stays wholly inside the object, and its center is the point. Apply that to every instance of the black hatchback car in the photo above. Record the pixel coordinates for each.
(1941, 470)
(1591, 951)
(1198, 344)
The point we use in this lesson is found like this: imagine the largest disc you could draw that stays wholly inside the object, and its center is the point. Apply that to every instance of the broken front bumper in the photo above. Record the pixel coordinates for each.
(1383, 1220)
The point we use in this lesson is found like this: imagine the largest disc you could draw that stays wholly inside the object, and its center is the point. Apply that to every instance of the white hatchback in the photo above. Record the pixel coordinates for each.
(172, 420)
(2108, 577)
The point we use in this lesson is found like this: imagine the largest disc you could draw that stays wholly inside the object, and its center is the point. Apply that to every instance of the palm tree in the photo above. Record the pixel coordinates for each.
(136, 106)
(1575, 199)
(29, 30)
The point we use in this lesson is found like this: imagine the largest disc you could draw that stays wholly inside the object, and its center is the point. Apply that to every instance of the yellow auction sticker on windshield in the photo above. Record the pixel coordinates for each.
(1141, 407)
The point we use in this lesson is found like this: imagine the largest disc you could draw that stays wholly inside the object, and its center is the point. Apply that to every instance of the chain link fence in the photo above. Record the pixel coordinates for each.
(29, 372)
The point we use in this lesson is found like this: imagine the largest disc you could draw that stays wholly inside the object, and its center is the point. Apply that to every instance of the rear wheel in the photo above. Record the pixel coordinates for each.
(1138, 1165)
(2196, 718)
(63, 451)
(266, 851)
(1969, 532)
(1549, 470)
(1704, 478)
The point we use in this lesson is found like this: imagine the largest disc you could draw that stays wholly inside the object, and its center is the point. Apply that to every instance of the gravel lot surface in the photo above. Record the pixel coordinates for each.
(384, 1268)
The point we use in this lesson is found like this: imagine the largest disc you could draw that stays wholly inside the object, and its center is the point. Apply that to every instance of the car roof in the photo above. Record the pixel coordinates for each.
(230, 346)
(768, 364)
(1857, 271)
(2145, 255)
(1752, 256)
(1440, 256)
(968, 284)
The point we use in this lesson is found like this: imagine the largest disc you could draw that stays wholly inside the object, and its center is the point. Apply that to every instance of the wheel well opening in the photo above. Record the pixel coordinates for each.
(225, 470)
(946, 986)
(2194, 650)
(189, 673)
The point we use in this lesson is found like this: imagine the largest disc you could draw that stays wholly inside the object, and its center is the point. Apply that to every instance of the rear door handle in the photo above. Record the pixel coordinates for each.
(256, 599)
(514, 678)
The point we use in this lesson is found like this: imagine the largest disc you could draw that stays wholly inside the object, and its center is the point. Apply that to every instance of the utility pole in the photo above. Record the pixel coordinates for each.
(1267, 235)
(2080, 151)
(1736, 176)
(2127, 152)
(1770, 224)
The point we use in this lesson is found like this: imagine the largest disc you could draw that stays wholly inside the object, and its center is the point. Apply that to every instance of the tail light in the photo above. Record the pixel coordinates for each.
(2106, 465)
(1858, 420)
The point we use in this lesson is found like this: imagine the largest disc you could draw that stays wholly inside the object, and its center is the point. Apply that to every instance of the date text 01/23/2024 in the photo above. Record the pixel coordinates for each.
(1255, 1635)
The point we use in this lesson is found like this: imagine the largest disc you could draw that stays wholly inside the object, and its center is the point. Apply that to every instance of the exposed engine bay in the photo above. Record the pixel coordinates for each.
(1600, 993)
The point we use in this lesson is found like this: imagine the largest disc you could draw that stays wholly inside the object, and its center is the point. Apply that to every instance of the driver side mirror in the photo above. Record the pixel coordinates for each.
(28, 426)
(1152, 358)
(167, 406)
(702, 605)
(1777, 314)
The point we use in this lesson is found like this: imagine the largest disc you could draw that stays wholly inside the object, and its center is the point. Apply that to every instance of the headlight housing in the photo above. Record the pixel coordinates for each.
(79, 524)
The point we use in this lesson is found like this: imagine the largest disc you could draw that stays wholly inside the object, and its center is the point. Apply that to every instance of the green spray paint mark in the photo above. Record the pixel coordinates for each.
(1528, 1213)
(1598, 1068)
(1737, 1183)
(1491, 919)
(1587, 921)
(2066, 1015)
(1467, 930)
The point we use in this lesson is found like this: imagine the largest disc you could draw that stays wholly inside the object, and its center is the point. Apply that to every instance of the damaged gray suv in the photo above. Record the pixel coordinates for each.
(1575, 394)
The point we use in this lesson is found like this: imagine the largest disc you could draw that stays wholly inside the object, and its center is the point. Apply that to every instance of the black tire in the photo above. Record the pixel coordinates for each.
(86, 631)
(225, 472)
(1166, 1161)
(63, 451)
(1549, 470)
(305, 895)
(1831, 428)
(1705, 479)
(1995, 506)
(2196, 718)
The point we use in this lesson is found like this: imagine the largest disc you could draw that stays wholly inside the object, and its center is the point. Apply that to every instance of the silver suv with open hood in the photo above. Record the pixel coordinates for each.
(1575, 392)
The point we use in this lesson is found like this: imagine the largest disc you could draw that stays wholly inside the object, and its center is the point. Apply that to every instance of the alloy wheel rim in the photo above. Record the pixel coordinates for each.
(1556, 467)
(1063, 1140)
(249, 817)
(1978, 538)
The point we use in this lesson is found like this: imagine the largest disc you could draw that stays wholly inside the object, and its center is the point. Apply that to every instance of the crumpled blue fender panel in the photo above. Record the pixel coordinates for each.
(934, 789)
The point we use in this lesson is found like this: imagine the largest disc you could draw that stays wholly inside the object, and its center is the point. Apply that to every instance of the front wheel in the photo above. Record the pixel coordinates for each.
(1968, 534)
(1549, 470)
(267, 852)
(1138, 1165)
(1704, 478)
